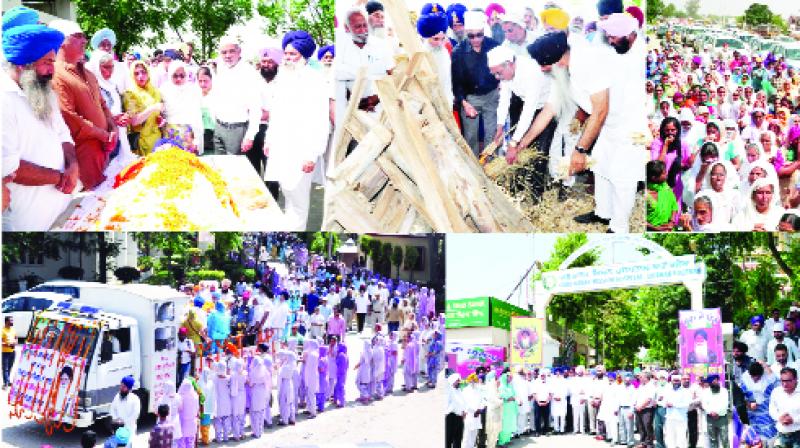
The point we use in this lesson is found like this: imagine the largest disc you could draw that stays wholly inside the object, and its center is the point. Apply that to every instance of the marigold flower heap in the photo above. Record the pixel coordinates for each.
(169, 189)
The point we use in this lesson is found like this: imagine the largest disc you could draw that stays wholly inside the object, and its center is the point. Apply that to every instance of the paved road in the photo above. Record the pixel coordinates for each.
(568, 440)
(383, 424)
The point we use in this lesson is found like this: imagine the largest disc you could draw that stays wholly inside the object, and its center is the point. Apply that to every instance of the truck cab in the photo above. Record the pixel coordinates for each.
(124, 330)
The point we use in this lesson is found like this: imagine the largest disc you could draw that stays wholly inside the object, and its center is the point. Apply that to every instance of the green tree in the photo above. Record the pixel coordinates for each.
(693, 8)
(130, 19)
(655, 10)
(386, 259)
(411, 259)
(757, 14)
(209, 19)
(397, 258)
(314, 16)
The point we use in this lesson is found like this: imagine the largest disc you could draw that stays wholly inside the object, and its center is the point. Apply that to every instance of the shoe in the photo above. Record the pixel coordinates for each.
(590, 218)
(609, 231)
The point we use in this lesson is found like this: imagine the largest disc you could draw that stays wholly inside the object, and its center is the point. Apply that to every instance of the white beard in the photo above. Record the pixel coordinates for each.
(293, 66)
(561, 84)
(39, 95)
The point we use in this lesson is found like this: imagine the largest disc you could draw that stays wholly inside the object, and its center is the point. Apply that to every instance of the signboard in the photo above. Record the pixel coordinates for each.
(464, 358)
(701, 346)
(591, 278)
(165, 370)
(461, 313)
(502, 312)
(527, 335)
(49, 371)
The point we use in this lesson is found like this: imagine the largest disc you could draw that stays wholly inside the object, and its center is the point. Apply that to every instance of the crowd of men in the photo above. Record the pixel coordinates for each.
(765, 396)
(282, 342)
(566, 86)
(726, 138)
(75, 117)
(666, 409)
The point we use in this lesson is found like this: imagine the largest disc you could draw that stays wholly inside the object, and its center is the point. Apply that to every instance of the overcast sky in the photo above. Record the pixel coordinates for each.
(481, 265)
(737, 7)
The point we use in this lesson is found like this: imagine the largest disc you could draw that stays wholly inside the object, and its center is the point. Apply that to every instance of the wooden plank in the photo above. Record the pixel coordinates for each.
(373, 144)
(404, 30)
(351, 212)
(399, 180)
(352, 106)
(409, 138)
(372, 182)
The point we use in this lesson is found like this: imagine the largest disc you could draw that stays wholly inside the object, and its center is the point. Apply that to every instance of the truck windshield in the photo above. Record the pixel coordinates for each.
(62, 336)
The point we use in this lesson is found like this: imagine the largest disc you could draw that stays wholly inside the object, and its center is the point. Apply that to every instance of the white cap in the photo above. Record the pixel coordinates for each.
(67, 27)
(474, 20)
(499, 55)
(686, 115)
(228, 40)
(516, 17)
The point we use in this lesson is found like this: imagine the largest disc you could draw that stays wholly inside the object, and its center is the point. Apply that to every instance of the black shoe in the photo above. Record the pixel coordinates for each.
(591, 218)
(609, 231)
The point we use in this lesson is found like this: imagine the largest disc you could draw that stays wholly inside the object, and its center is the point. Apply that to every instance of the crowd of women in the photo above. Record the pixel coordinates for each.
(727, 134)
(287, 333)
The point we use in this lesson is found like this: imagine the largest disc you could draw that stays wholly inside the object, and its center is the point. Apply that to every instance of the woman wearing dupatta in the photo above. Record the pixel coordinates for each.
(143, 103)
(182, 108)
(509, 426)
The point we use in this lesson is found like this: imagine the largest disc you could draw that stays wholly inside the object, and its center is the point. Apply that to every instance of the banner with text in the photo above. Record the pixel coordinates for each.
(701, 349)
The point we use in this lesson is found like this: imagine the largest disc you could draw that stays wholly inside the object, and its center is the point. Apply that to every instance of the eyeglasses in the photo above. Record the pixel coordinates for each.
(178, 76)
(475, 36)
(791, 380)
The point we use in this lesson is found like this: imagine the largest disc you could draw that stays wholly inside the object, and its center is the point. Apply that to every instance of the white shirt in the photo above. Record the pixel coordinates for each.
(361, 303)
(530, 84)
(350, 58)
(769, 323)
(280, 313)
(455, 401)
(791, 347)
(626, 395)
(715, 402)
(782, 403)
(298, 125)
(680, 400)
(126, 410)
(233, 97)
(186, 348)
(644, 393)
(541, 391)
(32, 140)
(756, 343)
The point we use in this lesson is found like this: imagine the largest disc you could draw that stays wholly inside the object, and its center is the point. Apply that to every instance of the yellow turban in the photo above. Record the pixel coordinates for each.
(472, 378)
(555, 18)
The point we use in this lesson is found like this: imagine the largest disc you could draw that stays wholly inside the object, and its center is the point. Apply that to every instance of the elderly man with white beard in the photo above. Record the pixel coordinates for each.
(356, 50)
(37, 140)
(580, 88)
(376, 18)
(432, 26)
(298, 130)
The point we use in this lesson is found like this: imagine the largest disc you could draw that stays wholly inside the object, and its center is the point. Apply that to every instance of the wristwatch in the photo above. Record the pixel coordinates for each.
(582, 150)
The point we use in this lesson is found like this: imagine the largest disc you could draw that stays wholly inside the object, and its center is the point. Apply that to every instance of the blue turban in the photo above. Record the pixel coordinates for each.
(608, 7)
(710, 378)
(19, 15)
(172, 54)
(137, 55)
(455, 14)
(324, 50)
(548, 49)
(128, 381)
(101, 35)
(429, 25)
(24, 44)
(301, 41)
(628, 376)
(757, 319)
(216, 295)
(612, 375)
(199, 302)
(432, 8)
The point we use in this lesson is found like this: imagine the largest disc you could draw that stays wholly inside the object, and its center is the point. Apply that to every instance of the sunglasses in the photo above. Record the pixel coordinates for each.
(178, 76)
(475, 36)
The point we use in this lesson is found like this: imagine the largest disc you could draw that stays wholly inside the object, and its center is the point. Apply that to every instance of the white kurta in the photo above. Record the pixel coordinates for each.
(297, 133)
(442, 59)
(183, 105)
(530, 84)
(126, 410)
(32, 140)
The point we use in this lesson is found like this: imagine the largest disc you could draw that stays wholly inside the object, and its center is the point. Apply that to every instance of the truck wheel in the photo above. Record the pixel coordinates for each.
(144, 400)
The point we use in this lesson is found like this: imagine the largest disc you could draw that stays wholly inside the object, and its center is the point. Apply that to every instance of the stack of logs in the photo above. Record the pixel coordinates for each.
(411, 170)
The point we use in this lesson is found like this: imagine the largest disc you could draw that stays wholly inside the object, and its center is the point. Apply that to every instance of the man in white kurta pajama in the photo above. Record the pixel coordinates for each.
(298, 129)
(126, 406)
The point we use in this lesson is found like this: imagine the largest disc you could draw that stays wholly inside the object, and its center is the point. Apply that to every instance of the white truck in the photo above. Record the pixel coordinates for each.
(137, 335)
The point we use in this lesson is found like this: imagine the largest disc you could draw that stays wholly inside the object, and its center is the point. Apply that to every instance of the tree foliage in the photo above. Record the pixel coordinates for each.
(397, 258)
(130, 19)
(314, 16)
(209, 19)
(693, 8)
(758, 14)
